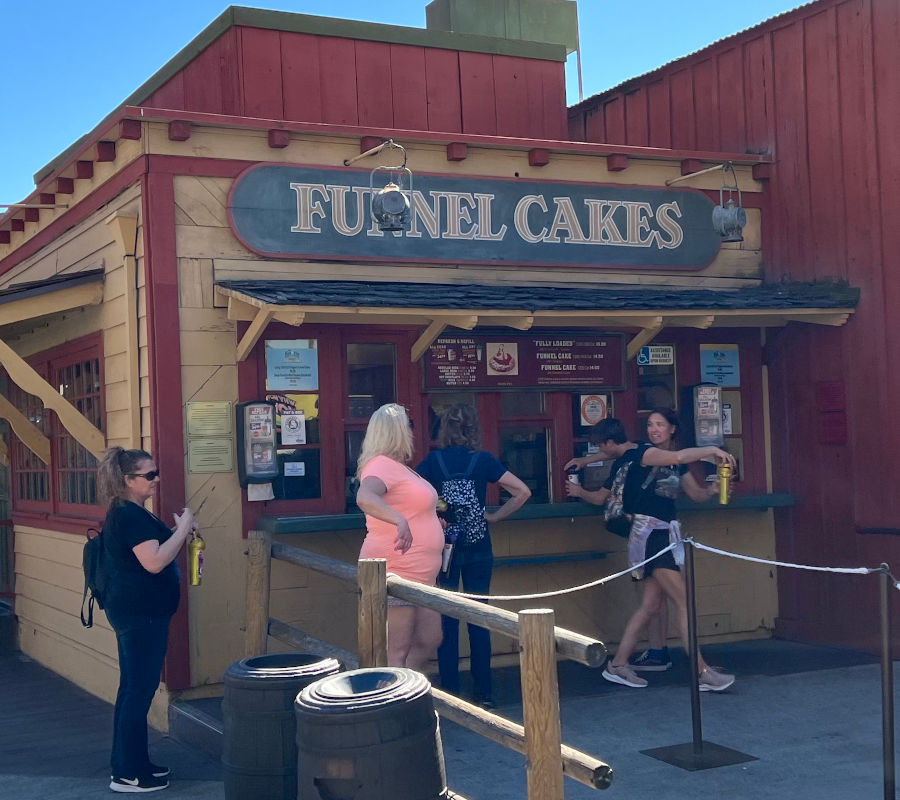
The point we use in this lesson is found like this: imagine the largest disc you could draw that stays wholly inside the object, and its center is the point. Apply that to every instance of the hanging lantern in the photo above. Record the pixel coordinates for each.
(390, 202)
(729, 218)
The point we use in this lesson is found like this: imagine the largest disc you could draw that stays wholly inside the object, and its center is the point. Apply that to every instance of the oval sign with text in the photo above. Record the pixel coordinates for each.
(284, 211)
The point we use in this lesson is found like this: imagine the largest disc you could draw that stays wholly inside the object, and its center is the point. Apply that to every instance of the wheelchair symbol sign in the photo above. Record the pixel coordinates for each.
(656, 354)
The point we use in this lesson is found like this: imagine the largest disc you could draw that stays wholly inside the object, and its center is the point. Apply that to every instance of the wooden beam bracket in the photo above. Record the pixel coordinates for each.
(29, 434)
(457, 151)
(522, 323)
(427, 339)
(279, 138)
(106, 151)
(251, 336)
(644, 336)
(616, 162)
(179, 130)
(25, 376)
(538, 157)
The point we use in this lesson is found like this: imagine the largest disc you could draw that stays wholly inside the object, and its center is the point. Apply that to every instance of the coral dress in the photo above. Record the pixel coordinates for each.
(415, 499)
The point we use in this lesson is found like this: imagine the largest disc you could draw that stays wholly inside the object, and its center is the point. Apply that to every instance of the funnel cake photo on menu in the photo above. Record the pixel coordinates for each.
(504, 359)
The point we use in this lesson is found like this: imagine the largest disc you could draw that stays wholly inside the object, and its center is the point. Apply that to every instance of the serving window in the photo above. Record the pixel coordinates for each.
(533, 429)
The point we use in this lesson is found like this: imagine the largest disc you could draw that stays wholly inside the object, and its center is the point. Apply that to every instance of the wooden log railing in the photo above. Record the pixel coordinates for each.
(540, 642)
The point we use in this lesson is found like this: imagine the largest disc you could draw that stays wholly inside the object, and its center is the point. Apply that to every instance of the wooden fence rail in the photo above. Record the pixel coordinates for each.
(540, 641)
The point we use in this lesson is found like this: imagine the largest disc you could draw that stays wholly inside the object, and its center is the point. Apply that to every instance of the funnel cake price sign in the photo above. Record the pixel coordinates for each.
(501, 361)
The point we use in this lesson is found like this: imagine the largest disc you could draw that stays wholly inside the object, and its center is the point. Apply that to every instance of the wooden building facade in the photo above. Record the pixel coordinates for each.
(816, 90)
(209, 230)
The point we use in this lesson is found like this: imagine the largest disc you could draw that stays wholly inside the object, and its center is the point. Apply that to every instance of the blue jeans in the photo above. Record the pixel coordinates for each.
(142, 644)
(474, 565)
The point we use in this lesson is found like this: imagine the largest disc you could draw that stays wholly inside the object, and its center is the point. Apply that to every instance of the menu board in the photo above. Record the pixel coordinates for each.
(500, 361)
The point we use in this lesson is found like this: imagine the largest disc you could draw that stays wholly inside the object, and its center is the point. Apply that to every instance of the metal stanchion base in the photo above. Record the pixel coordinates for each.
(711, 756)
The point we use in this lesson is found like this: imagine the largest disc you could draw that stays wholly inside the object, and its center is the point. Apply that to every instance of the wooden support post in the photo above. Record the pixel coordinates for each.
(372, 620)
(540, 704)
(124, 228)
(259, 563)
(254, 331)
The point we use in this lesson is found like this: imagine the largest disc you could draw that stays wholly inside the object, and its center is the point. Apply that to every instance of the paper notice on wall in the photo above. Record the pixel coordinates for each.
(594, 407)
(293, 429)
(260, 491)
(726, 419)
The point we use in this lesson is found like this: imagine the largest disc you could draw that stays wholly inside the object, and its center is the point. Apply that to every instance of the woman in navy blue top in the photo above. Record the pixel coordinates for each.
(460, 455)
(143, 592)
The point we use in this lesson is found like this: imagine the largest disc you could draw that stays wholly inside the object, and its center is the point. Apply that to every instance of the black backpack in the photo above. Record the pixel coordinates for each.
(617, 520)
(95, 562)
(465, 513)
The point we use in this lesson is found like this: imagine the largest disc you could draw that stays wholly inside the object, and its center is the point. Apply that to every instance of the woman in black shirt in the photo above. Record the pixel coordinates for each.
(654, 478)
(143, 594)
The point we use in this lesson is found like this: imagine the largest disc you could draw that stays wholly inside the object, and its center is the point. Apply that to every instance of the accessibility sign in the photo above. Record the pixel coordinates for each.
(656, 354)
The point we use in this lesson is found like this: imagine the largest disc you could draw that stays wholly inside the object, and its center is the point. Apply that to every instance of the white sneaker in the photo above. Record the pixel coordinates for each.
(713, 681)
(138, 785)
(624, 675)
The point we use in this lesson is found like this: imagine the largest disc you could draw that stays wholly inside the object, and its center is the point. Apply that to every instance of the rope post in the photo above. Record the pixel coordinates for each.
(372, 615)
(693, 647)
(887, 685)
(259, 567)
(696, 754)
(540, 704)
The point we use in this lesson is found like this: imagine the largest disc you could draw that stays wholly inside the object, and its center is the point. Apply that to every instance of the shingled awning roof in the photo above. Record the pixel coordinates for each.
(523, 307)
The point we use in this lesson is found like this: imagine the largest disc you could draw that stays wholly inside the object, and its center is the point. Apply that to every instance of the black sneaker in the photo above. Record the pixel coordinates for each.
(646, 662)
(156, 770)
(149, 784)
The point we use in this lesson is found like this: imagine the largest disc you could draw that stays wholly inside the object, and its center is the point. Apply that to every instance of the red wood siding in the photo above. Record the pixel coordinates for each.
(817, 89)
(305, 78)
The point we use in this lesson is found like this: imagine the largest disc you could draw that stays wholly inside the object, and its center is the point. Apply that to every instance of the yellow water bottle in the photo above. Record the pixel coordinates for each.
(724, 473)
(195, 555)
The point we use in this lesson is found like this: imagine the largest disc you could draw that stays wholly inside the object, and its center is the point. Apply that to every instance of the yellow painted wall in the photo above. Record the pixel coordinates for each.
(207, 250)
(49, 578)
(735, 599)
(126, 152)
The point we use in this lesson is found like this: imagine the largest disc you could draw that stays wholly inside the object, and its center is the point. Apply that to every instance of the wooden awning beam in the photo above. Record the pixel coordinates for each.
(240, 311)
(644, 336)
(25, 377)
(29, 433)
(245, 308)
(523, 323)
(702, 321)
(291, 316)
(834, 320)
(85, 294)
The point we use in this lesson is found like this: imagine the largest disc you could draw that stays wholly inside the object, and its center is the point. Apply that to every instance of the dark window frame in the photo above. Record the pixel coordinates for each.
(50, 364)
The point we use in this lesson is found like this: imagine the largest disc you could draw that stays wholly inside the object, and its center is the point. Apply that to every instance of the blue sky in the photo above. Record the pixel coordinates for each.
(68, 64)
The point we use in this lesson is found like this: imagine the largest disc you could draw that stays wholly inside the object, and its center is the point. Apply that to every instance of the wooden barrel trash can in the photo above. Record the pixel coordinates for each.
(370, 734)
(259, 746)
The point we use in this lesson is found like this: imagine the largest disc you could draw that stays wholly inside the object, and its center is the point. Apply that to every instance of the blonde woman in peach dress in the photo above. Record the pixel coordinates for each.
(402, 526)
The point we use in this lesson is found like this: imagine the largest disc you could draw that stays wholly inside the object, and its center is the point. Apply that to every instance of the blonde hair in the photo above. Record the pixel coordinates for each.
(388, 434)
(117, 462)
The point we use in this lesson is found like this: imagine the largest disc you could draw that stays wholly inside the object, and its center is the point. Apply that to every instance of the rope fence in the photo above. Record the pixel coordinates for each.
(699, 754)
(699, 546)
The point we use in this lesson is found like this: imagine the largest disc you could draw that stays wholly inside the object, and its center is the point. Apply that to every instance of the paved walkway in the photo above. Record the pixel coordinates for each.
(810, 715)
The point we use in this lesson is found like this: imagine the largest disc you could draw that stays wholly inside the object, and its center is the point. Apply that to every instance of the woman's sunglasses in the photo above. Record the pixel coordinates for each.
(147, 476)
